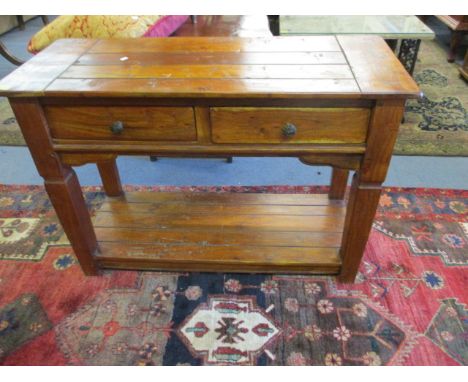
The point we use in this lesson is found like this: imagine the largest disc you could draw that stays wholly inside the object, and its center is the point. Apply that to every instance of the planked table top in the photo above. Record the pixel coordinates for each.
(214, 67)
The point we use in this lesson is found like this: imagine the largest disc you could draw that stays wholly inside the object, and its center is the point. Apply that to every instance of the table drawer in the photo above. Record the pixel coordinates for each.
(289, 125)
(127, 123)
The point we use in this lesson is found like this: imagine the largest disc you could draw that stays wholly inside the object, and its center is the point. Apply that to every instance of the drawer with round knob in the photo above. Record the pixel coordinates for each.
(122, 123)
(289, 125)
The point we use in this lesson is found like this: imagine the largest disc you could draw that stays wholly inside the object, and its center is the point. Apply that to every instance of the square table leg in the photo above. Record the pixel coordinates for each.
(69, 204)
(339, 182)
(455, 40)
(362, 205)
(110, 177)
(60, 182)
(367, 185)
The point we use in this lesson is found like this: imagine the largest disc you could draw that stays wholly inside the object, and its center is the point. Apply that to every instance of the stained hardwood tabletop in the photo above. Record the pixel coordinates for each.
(204, 67)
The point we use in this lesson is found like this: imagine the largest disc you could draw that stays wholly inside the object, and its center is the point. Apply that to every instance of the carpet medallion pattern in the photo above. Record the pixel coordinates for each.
(230, 330)
(407, 307)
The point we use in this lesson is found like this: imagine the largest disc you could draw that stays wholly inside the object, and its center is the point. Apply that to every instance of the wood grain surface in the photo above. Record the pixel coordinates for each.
(264, 125)
(243, 232)
(139, 123)
(214, 67)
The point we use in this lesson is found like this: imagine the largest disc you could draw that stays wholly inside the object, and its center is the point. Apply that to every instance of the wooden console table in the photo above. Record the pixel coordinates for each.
(322, 99)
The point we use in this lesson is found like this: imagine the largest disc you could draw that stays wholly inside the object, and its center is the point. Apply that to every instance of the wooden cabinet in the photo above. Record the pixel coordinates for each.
(464, 68)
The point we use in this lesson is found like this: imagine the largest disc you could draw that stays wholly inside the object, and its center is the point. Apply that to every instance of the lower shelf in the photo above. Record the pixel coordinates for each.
(221, 232)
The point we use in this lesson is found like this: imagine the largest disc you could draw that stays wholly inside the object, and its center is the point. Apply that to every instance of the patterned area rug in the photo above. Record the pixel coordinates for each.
(408, 306)
(436, 125)
(10, 133)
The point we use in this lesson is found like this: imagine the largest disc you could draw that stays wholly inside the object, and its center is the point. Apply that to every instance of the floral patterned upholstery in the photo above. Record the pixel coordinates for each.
(105, 27)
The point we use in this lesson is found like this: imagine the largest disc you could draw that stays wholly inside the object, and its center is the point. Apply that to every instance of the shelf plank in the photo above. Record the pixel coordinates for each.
(252, 222)
(162, 209)
(226, 238)
(227, 198)
(219, 258)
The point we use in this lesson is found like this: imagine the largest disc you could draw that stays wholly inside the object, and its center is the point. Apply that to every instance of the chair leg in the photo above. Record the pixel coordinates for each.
(5, 53)
(454, 42)
(20, 21)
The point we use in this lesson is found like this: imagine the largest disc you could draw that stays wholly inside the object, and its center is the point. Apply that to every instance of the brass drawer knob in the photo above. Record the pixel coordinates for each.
(117, 127)
(289, 130)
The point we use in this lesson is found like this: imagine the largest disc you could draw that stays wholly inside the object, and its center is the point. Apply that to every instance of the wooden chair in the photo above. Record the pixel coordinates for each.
(4, 52)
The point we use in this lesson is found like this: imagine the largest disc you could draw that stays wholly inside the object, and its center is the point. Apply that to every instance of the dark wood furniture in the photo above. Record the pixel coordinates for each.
(323, 99)
(464, 68)
(458, 25)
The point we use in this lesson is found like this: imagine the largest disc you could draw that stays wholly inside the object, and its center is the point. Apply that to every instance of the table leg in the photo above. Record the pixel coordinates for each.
(455, 40)
(60, 182)
(339, 181)
(367, 184)
(110, 177)
(362, 205)
(67, 198)
(408, 53)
